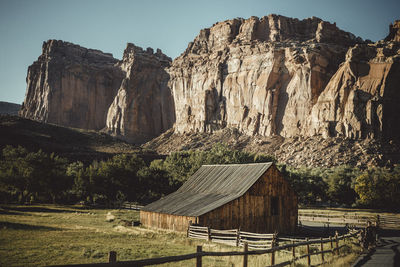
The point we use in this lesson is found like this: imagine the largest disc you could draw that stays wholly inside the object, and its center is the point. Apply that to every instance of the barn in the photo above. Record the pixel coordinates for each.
(253, 197)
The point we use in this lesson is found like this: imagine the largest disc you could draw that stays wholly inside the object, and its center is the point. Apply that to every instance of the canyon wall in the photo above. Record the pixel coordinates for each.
(282, 76)
(84, 88)
(72, 86)
(269, 76)
(143, 107)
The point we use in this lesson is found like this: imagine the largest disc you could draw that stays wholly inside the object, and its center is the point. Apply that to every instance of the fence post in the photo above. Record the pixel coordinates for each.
(208, 234)
(337, 243)
(112, 256)
(293, 251)
(322, 250)
(188, 230)
(238, 237)
(245, 256)
(273, 243)
(308, 254)
(330, 239)
(198, 258)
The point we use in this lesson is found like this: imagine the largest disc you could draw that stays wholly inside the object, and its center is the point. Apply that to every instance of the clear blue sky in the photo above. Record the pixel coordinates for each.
(166, 24)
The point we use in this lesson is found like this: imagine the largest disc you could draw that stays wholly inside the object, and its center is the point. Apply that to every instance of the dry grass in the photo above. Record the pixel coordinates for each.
(47, 235)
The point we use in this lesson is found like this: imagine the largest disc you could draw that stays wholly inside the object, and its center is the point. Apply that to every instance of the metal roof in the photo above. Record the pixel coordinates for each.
(210, 187)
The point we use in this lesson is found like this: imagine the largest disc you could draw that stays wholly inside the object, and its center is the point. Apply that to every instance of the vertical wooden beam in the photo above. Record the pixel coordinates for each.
(112, 256)
(188, 230)
(245, 256)
(198, 258)
(308, 254)
(322, 250)
(337, 243)
(293, 251)
(238, 237)
(208, 234)
(330, 239)
(273, 251)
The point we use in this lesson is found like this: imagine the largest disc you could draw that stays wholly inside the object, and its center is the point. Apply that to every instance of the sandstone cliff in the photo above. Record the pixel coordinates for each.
(72, 86)
(362, 99)
(262, 76)
(84, 88)
(143, 107)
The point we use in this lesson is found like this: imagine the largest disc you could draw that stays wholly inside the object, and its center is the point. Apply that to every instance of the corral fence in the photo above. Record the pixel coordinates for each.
(130, 206)
(324, 246)
(350, 218)
(233, 237)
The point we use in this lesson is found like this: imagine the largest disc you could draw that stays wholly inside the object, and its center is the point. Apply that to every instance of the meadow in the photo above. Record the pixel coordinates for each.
(39, 235)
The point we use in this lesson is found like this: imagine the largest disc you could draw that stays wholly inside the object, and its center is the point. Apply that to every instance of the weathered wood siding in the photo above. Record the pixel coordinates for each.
(165, 221)
(252, 211)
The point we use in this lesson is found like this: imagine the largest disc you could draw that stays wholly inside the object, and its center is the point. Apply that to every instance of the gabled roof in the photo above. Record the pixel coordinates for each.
(210, 187)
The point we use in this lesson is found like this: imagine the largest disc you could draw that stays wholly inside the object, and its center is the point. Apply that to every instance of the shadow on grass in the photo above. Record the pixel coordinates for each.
(36, 209)
(22, 226)
(7, 212)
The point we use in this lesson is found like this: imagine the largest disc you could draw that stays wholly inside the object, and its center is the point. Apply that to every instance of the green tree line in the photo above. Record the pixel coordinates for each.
(40, 177)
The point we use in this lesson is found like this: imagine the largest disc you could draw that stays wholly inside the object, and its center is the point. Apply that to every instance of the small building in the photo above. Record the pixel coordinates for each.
(252, 197)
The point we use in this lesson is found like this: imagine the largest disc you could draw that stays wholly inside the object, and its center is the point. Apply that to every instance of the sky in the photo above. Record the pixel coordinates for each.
(108, 25)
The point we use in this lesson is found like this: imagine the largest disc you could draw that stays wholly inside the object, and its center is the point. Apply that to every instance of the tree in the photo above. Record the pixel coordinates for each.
(379, 188)
(34, 175)
(341, 185)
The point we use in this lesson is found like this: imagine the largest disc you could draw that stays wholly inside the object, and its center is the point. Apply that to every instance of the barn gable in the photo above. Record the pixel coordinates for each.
(209, 188)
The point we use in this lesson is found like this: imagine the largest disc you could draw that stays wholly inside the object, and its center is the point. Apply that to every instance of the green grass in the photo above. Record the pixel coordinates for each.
(48, 234)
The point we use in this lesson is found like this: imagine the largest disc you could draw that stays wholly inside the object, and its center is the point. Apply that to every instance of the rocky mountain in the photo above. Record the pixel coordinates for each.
(281, 76)
(143, 107)
(264, 78)
(71, 86)
(9, 108)
(84, 88)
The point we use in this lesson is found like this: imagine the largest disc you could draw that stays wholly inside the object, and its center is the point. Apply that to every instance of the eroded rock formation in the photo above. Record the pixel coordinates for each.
(282, 76)
(84, 88)
(143, 107)
(72, 86)
(362, 99)
(269, 76)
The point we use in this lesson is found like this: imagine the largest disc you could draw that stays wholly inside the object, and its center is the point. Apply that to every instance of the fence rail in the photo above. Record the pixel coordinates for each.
(351, 218)
(334, 248)
(233, 237)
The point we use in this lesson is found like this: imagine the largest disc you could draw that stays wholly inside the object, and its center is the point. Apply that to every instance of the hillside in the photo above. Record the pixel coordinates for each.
(314, 151)
(9, 108)
(74, 144)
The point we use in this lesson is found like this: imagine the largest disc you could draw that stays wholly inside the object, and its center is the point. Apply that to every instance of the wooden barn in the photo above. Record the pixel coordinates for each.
(252, 197)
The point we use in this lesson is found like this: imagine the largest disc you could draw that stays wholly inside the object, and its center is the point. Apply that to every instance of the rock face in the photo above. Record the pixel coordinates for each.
(361, 99)
(394, 32)
(143, 107)
(282, 76)
(84, 88)
(269, 76)
(72, 86)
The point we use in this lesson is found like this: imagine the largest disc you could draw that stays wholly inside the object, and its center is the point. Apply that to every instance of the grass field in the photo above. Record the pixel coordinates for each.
(49, 235)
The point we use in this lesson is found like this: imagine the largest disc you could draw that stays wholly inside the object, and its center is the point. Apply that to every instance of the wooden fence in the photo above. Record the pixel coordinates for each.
(325, 246)
(346, 218)
(130, 206)
(350, 218)
(233, 237)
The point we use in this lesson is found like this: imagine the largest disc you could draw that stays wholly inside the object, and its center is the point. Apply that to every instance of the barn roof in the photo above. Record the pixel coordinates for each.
(209, 188)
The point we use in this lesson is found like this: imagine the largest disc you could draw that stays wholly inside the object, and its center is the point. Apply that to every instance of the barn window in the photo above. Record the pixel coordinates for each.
(274, 206)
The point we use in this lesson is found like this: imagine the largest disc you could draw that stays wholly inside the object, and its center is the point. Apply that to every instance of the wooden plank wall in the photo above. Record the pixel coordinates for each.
(252, 212)
(165, 221)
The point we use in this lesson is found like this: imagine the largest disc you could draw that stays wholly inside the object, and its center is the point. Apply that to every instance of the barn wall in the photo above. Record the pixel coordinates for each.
(165, 221)
(252, 211)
